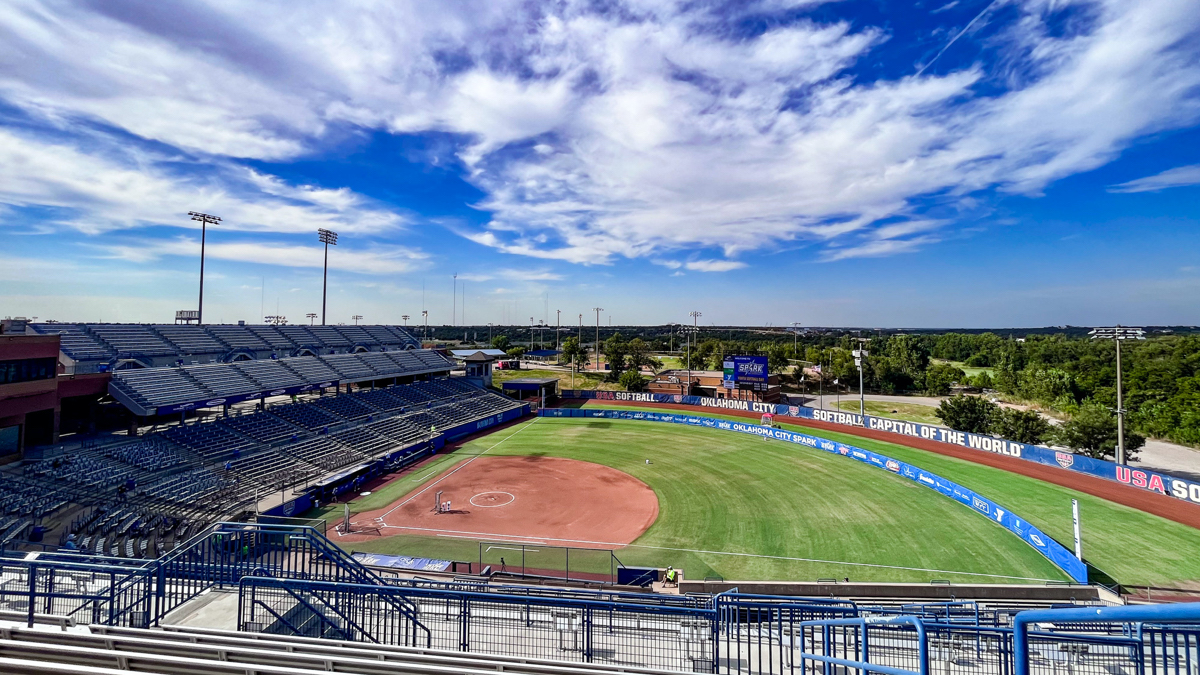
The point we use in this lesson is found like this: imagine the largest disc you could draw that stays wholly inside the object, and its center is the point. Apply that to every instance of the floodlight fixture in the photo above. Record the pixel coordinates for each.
(1119, 334)
(204, 219)
(327, 237)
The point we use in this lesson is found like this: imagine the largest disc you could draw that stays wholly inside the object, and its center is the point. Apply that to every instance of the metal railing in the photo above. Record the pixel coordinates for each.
(566, 629)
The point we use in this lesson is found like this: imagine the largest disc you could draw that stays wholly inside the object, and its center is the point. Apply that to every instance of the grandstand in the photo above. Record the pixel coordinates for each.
(89, 348)
(141, 497)
(150, 391)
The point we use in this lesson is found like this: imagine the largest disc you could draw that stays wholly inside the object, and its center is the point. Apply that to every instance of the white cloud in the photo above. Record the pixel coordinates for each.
(643, 132)
(377, 260)
(714, 265)
(1180, 176)
(107, 189)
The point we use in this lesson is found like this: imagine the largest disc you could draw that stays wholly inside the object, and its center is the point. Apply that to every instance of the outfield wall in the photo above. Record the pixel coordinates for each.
(1043, 543)
(1151, 481)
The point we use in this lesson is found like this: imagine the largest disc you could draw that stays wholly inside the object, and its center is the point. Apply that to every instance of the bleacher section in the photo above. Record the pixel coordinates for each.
(141, 497)
(95, 347)
(190, 339)
(149, 391)
(132, 339)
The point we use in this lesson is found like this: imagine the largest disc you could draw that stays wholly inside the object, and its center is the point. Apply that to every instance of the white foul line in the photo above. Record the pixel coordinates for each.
(461, 534)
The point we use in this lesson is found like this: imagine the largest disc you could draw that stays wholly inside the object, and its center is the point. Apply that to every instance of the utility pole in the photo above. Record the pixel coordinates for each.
(597, 310)
(326, 237)
(312, 316)
(695, 331)
(1117, 334)
(204, 219)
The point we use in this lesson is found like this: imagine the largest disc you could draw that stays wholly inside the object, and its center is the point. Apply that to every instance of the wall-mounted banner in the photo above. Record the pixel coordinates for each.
(1153, 481)
(1048, 547)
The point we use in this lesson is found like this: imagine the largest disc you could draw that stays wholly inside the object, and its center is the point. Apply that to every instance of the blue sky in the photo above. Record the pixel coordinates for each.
(858, 162)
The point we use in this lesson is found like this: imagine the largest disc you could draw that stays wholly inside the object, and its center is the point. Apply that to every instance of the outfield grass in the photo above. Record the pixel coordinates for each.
(721, 493)
(1132, 546)
(909, 412)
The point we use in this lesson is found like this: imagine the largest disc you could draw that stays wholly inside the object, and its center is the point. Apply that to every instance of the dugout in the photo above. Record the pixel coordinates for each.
(541, 389)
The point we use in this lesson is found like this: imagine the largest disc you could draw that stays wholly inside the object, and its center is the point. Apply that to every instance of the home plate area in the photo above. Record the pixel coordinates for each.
(528, 498)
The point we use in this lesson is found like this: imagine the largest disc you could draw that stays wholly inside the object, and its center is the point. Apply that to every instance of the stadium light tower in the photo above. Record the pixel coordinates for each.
(312, 317)
(326, 237)
(597, 310)
(425, 315)
(695, 330)
(405, 317)
(357, 318)
(204, 219)
(1117, 334)
(860, 355)
(557, 330)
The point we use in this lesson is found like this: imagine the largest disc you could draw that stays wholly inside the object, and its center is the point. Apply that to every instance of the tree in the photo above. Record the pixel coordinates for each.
(940, 377)
(615, 351)
(1022, 426)
(777, 358)
(639, 354)
(632, 380)
(1092, 430)
(967, 413)
(500, 342)
(516, 352)
(573, 353)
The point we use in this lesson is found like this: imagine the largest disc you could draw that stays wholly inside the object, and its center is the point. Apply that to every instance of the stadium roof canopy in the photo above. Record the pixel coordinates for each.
(463, 353)
(542, 353)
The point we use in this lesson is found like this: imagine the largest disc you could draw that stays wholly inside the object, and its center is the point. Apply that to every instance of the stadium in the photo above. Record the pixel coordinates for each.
(742, 337)
(276, 492)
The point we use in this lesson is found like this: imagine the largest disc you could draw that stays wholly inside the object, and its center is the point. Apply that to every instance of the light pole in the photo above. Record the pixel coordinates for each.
(454, 302)
(326, 237)
(695, 331)
(557, 330)
(489, 334)
(405, 317)
(1117, 334)
(425, 315)
(357, 318)
(597, 310)
(531, 333)
(860, 355)
(204, 219)
(311, 316)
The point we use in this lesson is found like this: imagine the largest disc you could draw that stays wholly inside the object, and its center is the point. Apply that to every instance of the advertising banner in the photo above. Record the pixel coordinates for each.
(1045, 545)
(1152, 481)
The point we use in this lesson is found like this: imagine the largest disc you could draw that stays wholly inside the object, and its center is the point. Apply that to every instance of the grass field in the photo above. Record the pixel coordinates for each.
(723, 493)
(909, 412)
(1132, 546)
(582, 380)
(971, 371)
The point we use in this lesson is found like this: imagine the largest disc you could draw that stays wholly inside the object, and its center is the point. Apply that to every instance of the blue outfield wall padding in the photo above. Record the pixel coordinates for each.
(461, 430)
(1047, 546)
(1152, 481)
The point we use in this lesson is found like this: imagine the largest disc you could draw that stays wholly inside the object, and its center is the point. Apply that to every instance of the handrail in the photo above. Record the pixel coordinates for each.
(862, 624)
(1187, 612)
